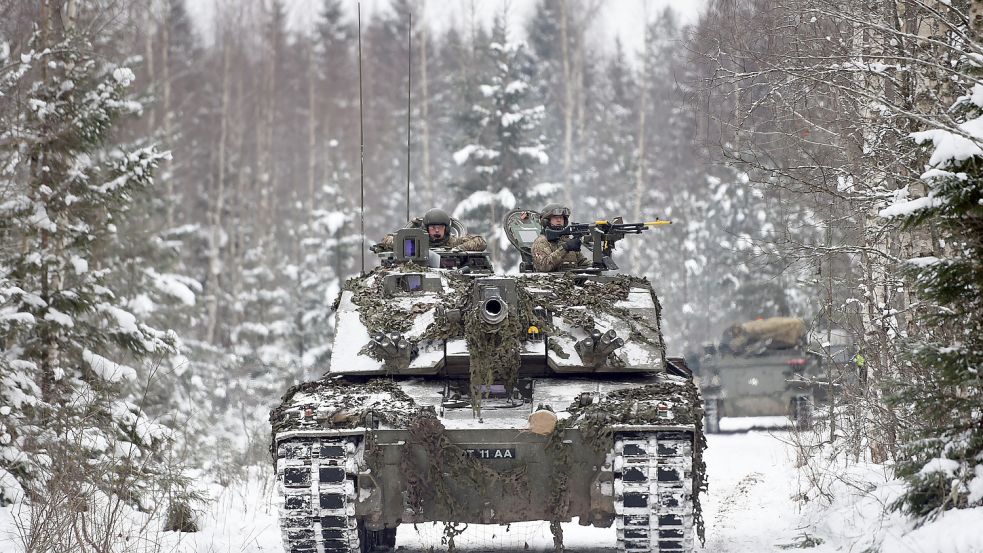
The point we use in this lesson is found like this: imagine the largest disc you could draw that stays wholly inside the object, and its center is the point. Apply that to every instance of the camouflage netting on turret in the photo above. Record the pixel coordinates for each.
(574, 299)
(640, 406)
(494, 355)
(381, 314)
(578, 301)
(494, 350)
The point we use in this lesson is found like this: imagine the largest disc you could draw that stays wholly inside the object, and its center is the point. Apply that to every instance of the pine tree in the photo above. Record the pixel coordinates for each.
(506, 148)
(546, 46)
(262, 337)
(70, 389)
(611, 137)
(942, 463)
(328, 243)
(454, 101)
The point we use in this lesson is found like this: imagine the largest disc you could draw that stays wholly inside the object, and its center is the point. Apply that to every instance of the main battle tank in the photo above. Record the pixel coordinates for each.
(462, 396)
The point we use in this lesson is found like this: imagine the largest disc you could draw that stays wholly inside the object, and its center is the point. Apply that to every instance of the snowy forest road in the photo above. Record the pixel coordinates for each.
(749, 509)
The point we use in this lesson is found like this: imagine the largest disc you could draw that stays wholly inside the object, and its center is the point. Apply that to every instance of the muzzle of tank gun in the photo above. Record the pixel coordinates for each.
(494, 309)
(596, 347)
(396, 351)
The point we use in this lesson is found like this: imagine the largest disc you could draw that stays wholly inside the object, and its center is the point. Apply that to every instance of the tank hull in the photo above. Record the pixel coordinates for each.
(358, 483)
(522, 459)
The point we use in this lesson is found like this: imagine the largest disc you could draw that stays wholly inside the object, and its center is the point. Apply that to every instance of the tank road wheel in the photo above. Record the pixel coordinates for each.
(653, 483)
(316, 483)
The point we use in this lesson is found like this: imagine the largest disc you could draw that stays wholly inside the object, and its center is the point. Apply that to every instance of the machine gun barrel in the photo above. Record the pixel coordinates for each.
(631, 228)
(605, 227)
(601, 236)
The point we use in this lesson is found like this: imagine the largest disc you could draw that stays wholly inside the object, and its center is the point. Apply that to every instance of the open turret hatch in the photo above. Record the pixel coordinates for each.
(412, 245)
(522, 227)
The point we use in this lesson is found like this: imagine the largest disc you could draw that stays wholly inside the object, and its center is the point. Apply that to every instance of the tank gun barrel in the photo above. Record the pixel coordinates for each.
(493, 301)
(494, 309)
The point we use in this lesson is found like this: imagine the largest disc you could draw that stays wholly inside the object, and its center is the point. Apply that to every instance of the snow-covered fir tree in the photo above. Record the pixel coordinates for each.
(328, 241)
(612, 136)
(943, 460)
(76, 351)
(505, 147)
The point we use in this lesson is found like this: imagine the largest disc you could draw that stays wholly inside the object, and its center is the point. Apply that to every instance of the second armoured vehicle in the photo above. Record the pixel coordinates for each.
(458, 395)
(760, 368)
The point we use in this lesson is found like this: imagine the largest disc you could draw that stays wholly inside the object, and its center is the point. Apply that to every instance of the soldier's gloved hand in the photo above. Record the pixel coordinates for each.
(573, 245)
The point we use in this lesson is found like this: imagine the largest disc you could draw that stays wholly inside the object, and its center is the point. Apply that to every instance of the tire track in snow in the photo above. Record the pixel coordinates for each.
(749, 508)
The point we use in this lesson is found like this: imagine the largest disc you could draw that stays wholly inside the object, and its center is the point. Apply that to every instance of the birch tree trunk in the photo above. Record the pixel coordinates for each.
(165, 54)
(71, 14)
(312, 117)
(976, 18)
(218, 201)
(267, 156)
(578, 83)
(568, 111)
(148, 54)
(640, 170)
(50, 357)
(425, 109)
(239, 199)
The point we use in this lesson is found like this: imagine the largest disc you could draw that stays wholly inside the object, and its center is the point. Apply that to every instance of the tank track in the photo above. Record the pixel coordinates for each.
(315, 480)
(653, 491)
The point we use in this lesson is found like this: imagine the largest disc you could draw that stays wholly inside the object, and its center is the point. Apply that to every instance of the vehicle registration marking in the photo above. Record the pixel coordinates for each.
(491, 452)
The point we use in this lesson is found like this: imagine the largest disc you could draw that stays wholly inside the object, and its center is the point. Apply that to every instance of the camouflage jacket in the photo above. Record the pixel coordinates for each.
(468, 243)
(553, 256)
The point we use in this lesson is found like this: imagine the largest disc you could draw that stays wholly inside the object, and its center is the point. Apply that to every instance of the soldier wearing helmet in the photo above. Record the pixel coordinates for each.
(562, 253)
(437, 223)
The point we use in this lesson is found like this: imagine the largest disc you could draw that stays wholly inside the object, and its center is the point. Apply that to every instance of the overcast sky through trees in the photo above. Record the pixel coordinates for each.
(623, 18)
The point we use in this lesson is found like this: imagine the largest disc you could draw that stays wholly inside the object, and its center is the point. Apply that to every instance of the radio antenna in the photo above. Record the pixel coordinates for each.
(361, 141)
(409, 94)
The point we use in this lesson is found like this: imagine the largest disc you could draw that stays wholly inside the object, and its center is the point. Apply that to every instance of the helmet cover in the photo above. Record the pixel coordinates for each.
(554, 209)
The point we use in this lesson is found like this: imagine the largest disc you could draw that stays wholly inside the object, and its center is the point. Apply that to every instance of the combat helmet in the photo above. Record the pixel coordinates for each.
(436, 217)
(554, 209)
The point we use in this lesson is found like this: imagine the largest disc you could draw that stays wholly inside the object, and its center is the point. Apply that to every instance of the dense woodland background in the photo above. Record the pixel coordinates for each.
(776, 134)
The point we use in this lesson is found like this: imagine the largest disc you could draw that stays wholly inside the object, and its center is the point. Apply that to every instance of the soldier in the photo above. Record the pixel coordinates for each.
(562, 253)
(438, 224)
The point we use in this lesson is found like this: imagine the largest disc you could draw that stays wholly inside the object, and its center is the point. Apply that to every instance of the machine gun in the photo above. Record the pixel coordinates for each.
(601, 236)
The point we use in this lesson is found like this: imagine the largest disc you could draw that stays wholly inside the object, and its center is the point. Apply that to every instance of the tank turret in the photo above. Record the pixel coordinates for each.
(458, 395)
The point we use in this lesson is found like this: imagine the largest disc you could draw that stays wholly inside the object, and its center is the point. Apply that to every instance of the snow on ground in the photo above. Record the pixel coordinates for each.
(750, 509)
(743, 424)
